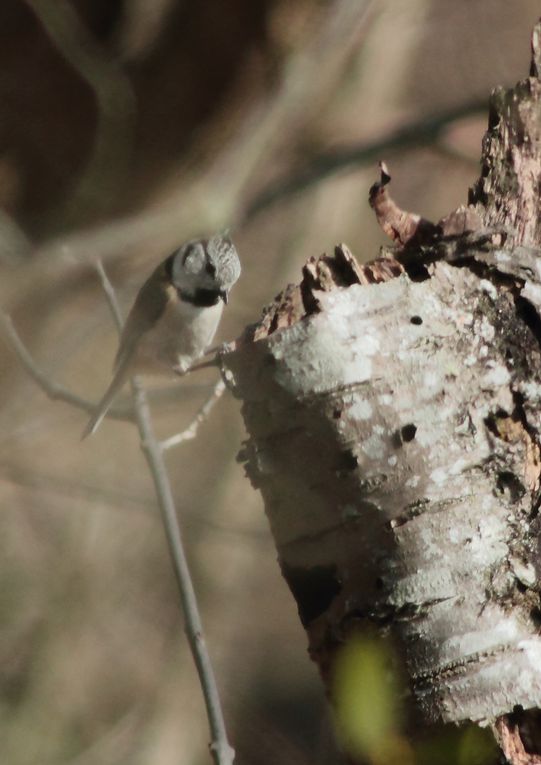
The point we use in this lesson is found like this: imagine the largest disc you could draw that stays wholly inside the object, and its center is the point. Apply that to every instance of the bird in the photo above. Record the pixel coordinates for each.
(175, 315)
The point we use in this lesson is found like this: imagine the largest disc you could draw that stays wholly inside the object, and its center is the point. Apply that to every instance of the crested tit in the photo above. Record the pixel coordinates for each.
(175, 315)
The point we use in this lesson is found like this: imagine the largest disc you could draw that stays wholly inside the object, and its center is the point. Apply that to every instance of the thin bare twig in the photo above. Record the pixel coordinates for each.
(53, 390)
(191, 431)
(222, 752)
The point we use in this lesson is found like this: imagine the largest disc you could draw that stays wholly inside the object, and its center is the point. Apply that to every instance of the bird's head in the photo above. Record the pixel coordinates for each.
(204, 270)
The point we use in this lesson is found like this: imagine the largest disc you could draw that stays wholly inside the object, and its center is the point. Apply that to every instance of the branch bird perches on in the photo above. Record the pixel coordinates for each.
(221, 750)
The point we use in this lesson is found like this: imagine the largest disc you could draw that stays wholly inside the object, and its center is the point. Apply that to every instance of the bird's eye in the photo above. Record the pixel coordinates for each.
(211, 269)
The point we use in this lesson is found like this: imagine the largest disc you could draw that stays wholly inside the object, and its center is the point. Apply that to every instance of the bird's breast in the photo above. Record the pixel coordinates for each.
(182, 334)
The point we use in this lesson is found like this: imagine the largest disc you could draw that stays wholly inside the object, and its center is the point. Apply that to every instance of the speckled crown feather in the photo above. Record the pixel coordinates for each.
(223, 253)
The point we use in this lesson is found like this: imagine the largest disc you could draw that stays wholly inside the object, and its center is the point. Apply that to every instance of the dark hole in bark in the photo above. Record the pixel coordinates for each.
(310, 303)
(529, 316)
(347, 461)
(416, 271)
(491, 421)
(509, 483)
(408, 432)
(313, 589)
(343, 270)
(337, 413)
(535, 615)
(534, 516)
(493, 117)
(416, 320)
(528, 722)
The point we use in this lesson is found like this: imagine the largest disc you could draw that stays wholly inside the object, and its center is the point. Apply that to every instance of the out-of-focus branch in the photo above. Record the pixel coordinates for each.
(115, 101)
(305, 86)
(142, 25)
(52, 389)
(58, 490)
(211, 197)
(14, 244)
(422, 133)
(445, 151)
(222, 752)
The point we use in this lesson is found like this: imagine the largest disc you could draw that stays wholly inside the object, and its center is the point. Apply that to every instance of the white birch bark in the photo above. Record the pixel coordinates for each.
(388, 438)
(394, 431)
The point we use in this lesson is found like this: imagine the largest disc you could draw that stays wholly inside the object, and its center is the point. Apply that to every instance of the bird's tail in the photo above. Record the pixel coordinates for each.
(103, 407)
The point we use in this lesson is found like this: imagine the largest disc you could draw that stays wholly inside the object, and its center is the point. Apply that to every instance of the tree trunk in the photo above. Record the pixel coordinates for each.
(394, 422)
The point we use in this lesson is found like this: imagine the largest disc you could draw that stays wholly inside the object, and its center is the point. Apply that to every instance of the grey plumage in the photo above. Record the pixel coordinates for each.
(175, 315)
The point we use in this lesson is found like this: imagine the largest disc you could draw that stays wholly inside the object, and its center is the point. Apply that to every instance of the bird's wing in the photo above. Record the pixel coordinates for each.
(119, 378)
(148, 307)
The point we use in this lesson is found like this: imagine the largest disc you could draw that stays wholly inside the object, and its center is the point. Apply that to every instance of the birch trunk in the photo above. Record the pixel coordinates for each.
(394, 422)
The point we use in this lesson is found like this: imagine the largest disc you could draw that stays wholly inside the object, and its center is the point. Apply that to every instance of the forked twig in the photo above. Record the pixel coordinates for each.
(220, 748)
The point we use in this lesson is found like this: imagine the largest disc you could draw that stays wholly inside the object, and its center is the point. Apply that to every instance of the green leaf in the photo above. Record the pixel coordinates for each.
(365, 693)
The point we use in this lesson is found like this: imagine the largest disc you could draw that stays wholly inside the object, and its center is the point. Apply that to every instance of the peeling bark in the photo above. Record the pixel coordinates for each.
(394, 421)
(399, 225)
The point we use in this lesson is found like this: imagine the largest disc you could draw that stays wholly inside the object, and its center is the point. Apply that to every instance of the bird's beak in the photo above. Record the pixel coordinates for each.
(224, 296)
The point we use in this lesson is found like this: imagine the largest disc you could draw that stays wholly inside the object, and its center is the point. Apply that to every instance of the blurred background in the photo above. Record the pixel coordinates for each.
(126, 127)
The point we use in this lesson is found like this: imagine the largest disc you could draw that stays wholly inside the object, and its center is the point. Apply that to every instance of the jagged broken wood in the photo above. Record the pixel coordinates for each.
(394, 420)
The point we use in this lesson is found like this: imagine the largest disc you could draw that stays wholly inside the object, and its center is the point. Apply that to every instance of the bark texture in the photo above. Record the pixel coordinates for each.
(393, 414)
